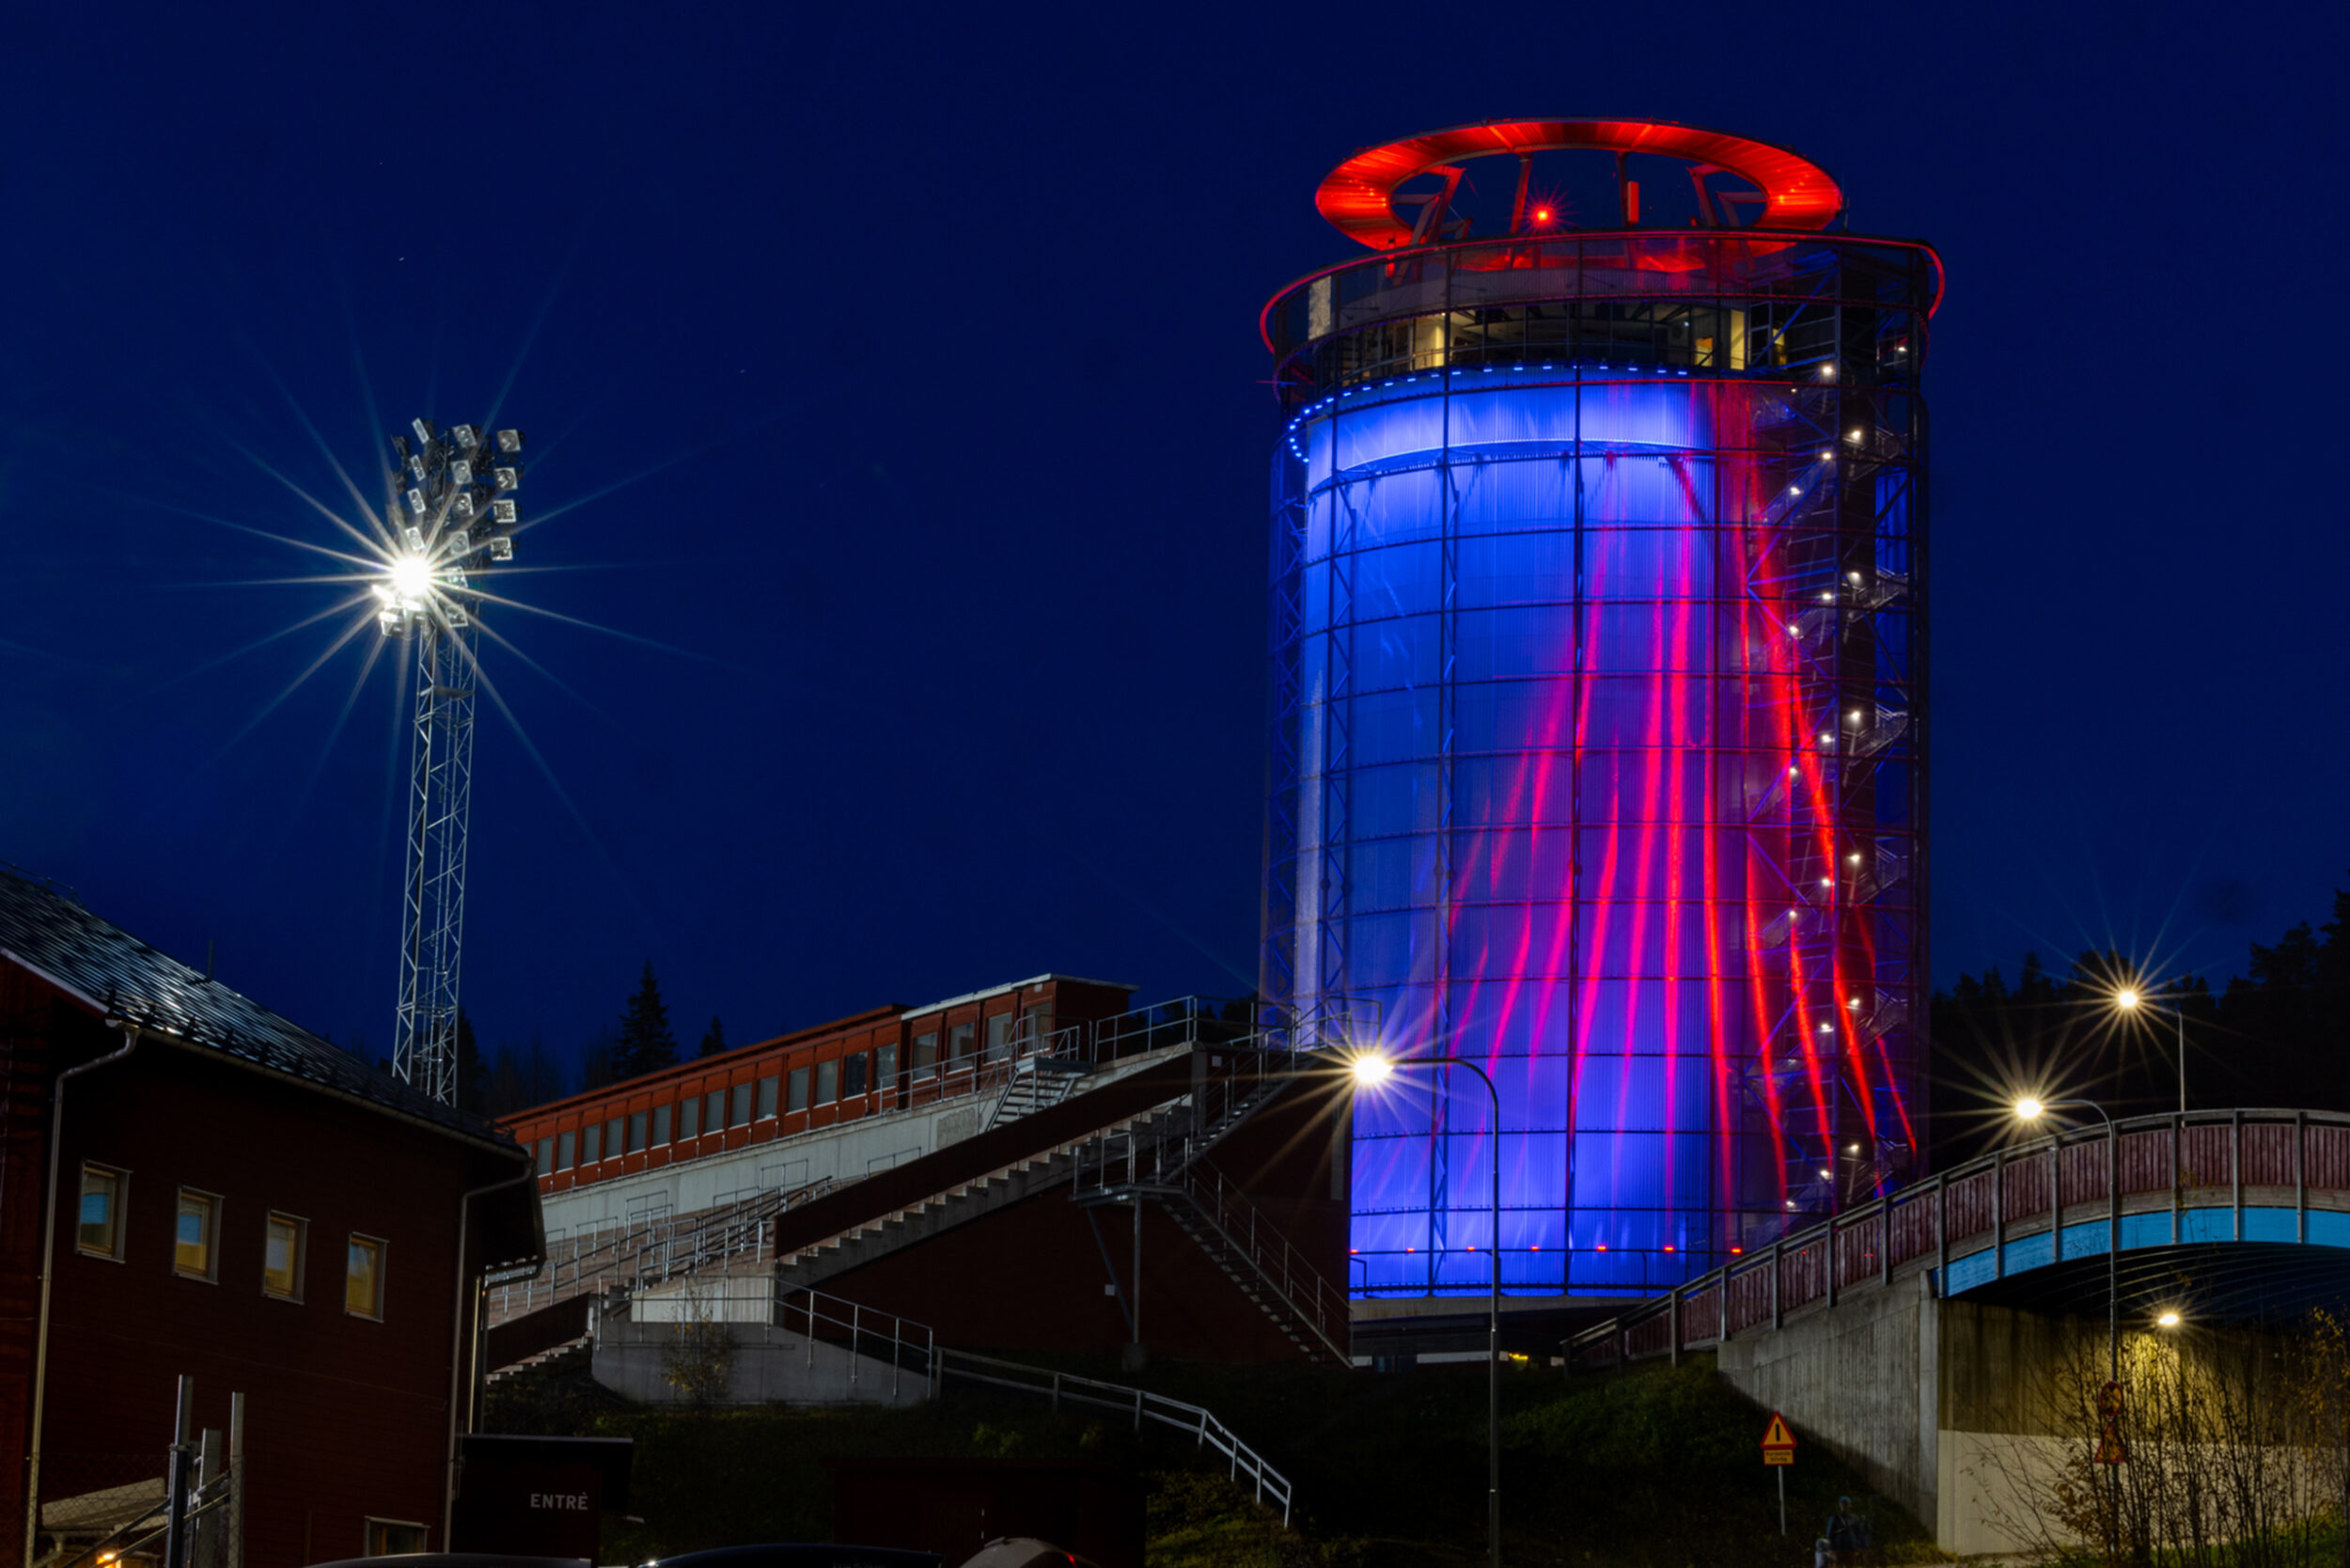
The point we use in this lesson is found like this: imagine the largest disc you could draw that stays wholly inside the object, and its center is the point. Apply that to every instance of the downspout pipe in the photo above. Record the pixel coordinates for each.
(48, 1261)
(457, 1336)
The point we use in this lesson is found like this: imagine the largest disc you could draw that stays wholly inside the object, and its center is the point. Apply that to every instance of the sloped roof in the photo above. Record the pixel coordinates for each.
(47, 930)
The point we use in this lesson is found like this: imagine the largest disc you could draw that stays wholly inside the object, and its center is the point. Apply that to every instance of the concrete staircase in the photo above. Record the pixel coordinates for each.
(883, 1234)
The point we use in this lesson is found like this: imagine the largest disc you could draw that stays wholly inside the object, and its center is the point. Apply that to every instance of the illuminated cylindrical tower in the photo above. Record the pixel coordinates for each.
(1598, 684)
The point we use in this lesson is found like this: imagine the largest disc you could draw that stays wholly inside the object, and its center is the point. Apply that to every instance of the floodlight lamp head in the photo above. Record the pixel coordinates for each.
(411, 581)
(509, 441)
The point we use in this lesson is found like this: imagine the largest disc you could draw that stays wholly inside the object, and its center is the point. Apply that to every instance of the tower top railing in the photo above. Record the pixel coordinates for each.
(1744, 265)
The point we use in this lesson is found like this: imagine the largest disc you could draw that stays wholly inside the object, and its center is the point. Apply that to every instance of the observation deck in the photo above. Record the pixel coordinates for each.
(1699, 286)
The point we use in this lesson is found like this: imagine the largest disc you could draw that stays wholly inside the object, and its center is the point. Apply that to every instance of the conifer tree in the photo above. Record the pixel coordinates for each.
(714, 1038)
(645, 1042)
(472, 1073)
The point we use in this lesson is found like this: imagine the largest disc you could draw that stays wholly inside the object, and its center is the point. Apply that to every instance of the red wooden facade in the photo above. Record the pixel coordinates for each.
(885, 1059)
(347, 1413)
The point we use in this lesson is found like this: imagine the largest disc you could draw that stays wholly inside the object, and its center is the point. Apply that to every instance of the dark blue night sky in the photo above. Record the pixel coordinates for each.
(904, 363)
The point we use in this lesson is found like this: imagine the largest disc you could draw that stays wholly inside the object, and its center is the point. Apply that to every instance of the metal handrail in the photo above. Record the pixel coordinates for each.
(1244, 1229)
(637, 1251)
(835, 1320)
(1968, 1209)
(914, 1350)
(1058, 1387)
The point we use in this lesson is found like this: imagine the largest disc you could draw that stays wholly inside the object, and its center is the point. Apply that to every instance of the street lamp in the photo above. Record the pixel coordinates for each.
(1371, 1070)
(2167, 1319)
(2130, 999)
(2028, 1110)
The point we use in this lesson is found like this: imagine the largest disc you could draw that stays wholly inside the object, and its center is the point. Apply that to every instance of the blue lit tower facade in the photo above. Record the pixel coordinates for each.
(1598, 682)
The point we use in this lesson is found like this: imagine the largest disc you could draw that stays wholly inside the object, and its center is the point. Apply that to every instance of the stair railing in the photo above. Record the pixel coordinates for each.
(1276, 1260)
(1249, 1467)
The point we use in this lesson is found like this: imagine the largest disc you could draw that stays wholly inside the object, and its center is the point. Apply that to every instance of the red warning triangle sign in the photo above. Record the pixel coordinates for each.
(1777, 1435)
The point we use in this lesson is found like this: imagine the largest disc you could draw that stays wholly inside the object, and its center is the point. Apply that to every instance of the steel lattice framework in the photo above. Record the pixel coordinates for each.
(452, 500)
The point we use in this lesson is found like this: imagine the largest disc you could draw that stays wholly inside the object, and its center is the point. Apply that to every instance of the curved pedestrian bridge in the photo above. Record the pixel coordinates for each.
(1906, 1336)
(2241, 1216)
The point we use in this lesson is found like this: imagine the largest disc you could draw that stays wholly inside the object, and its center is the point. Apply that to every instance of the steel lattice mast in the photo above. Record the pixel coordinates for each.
(453, 505)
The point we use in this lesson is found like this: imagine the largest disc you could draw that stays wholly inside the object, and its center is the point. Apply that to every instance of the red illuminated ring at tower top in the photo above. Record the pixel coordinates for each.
(1358, 195)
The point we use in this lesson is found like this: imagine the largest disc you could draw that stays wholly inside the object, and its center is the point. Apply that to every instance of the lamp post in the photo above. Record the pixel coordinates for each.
(2130, 999)
(1370, 1070)
(2031, 1110)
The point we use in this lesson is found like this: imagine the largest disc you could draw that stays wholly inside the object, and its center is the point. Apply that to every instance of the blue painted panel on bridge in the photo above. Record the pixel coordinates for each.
(2088, 1240)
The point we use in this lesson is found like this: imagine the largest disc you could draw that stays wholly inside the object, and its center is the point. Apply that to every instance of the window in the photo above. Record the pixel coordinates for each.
(636, 1132)
(885, 1067)
(281, 1256)
(717, 1115)
(689, 1116)
(546, 1156)
(393, 1538)
(192, 1248)
(852, 1074)
(999, 1037)
(615, 1137)
(959, 1041)
(562, 1150)
(592, 1143)
(767, 1097)
(363, 1278)
(660, 1126)
(827, 1081)
(742, 1108)
(799, 1089)
(100, 1230)
(926, 1056)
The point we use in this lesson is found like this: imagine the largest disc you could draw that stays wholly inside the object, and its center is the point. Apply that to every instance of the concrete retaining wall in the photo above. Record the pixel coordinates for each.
(1860, 1379)
(769, 1367)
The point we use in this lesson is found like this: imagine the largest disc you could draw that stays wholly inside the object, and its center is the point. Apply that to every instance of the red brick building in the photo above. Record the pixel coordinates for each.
(219, 1192)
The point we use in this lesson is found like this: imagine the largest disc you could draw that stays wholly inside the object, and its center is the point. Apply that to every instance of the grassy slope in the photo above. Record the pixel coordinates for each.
(1655, 1469)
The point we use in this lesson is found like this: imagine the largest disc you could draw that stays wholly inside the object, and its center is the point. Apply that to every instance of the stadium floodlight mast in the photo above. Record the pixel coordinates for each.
(451, 506)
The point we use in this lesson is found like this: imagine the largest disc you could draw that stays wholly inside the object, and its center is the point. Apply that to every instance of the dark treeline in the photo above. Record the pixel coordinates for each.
(514, 1077)
(2276, 1036)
